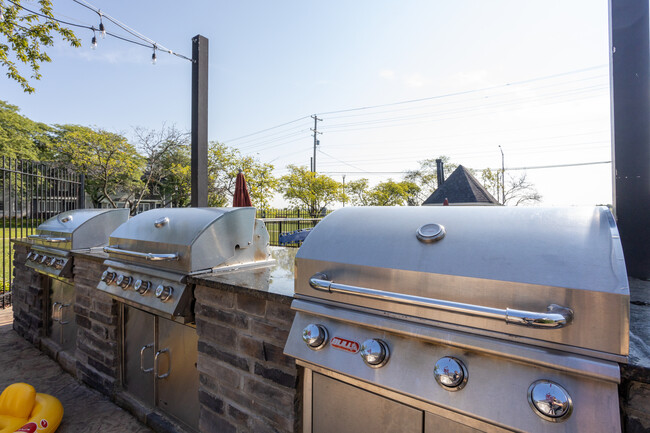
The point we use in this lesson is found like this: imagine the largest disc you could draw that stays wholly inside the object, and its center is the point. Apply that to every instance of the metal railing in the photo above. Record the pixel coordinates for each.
(278, 226)
(31, 193)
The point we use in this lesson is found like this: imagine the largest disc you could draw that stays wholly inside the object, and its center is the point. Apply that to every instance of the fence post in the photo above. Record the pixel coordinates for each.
(82, 192)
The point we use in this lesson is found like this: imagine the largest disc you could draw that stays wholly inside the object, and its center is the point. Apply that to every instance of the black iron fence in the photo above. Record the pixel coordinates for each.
(31, 193)
(283, 225)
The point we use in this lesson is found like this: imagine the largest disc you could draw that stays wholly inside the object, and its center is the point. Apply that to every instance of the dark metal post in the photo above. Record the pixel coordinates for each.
(440, 172)
(82, 192)
(199, 164)
(630, 93)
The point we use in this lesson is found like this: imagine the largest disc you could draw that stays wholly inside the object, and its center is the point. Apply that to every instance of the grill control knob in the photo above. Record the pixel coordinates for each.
(374, 352)
(315, 336)
(164, 292)
(124, 282)
(108, 277)
(44, 259)
(29, 255)
(550, 401)
(142, 287)
(52, 261)
(450, 373)
(59, 264)
(35, 257)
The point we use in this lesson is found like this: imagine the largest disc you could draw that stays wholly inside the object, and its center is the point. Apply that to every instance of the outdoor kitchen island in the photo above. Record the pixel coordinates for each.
(242, 321)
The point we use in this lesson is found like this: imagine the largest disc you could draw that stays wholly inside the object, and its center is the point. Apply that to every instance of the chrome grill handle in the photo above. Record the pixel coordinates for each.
(55, 310)
(61, 307)
(147, 256)
(47, 238)
(556, 316)
(142, 350)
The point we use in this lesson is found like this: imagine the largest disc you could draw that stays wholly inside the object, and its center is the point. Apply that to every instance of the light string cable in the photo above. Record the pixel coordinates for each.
(148, 44)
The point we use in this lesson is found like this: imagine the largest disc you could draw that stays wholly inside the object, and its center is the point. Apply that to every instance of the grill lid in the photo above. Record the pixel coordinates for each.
(185, 240)
(559, 272)
(79, 229)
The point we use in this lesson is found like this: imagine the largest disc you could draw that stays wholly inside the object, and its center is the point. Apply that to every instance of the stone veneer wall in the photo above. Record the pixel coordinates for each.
(28, 298)
(246, 382)
(98, 362)
(634, 392)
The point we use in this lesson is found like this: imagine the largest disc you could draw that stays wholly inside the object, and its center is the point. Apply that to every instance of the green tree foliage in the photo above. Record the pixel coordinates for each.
(21, 137)
(311, 190)
(223, 165)
(426, 178)
(387, 193)
(174, 187)
(23, 35)
(111, 164)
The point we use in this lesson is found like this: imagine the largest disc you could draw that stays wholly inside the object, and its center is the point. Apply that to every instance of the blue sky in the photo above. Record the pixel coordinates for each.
(273, 62)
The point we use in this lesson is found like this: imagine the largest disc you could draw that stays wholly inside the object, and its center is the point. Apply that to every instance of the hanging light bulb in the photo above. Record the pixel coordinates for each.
(94, 42)
(102, 29)
(153, 56)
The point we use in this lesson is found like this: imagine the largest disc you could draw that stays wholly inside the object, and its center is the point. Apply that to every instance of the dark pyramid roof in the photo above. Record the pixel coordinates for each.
(461, 187)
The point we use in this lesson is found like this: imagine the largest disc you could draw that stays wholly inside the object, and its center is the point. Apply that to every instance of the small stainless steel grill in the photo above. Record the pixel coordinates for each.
(461, 319)
(152, 255)
(76, 230)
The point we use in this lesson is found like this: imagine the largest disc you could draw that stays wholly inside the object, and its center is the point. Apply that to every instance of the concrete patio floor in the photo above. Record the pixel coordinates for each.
(85, 410)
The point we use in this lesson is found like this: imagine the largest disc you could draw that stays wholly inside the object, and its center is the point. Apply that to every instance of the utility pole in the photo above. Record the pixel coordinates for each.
(199, 161)
(316, 142)
(503, 177)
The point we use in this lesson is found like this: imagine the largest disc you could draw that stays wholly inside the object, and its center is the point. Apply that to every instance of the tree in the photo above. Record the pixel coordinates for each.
(223, 165)
(110, 163)
(159, 148)
(518, 190)
(314, 191)
(21, 137)
(23, 35)
(425, 178)
(388, 193)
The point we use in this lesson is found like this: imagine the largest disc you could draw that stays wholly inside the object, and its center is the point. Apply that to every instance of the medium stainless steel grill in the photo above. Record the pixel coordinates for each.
(150, 258)
(152, 254)
(461, 319)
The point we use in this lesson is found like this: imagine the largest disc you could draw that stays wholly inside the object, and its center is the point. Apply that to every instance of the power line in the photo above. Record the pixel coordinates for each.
(267, 129)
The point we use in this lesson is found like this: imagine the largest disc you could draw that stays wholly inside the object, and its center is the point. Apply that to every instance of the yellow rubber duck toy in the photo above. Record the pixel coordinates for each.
(24, 410)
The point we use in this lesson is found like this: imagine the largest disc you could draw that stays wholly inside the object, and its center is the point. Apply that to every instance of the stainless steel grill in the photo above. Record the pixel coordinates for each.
(461, 319)
(152, 254)
(75, 230)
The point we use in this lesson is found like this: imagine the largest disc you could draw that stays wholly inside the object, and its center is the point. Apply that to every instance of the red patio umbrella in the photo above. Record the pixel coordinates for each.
(241, 197)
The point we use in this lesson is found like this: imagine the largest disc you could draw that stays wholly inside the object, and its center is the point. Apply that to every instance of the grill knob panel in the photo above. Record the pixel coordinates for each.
(164, 292)
(450, 373)
(124, 281)
(108, 277)
(142, 287)
(374, 352)
(315, 336)
(550, 401)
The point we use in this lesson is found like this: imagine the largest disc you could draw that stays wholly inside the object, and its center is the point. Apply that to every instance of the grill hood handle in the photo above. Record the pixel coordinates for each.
(47, 238)
(555, 316)
(115, 249)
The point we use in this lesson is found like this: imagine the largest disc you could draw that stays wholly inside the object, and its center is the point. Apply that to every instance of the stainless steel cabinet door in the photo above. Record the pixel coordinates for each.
(64, 326)
(342, 408)
(176, 374)
(138, 354)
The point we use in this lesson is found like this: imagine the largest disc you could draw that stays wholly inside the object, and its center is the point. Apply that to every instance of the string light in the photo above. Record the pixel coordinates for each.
(94, 41)
(153, 56)
(102, 29)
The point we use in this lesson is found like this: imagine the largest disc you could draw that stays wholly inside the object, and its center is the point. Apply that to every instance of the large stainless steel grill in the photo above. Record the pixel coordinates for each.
(461, 319)
(152, 254)
(75, 230)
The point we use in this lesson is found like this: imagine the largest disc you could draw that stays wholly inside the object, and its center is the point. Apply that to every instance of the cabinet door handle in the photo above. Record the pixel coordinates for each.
(169, 364)
(142, 350)
(61, 307)
(54, 311)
